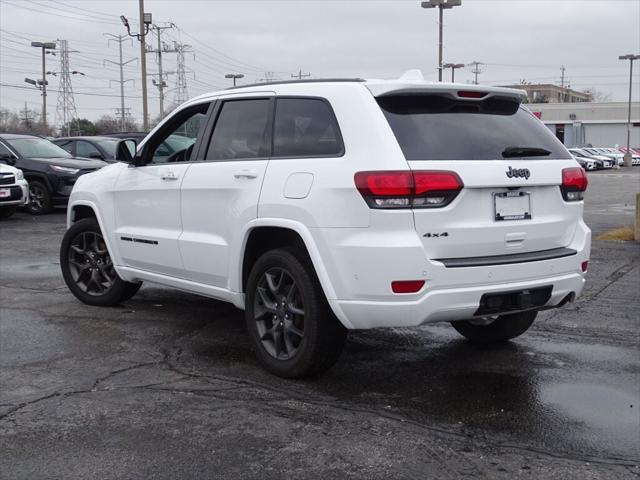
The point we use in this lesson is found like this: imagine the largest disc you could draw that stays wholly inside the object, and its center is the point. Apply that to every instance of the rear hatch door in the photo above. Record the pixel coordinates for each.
(510, 163)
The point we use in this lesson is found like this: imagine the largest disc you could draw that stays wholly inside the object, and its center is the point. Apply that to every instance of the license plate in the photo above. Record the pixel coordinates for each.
(513, 205)
(5, 193)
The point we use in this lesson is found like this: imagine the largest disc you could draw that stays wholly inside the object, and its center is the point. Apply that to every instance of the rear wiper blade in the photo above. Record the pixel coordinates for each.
(511, 152)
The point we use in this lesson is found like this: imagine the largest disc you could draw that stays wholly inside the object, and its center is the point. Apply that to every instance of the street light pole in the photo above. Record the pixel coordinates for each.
(145, 22)
(234, 76)
(441, 5)
(627, 154)
(45, 46)
(453, 67)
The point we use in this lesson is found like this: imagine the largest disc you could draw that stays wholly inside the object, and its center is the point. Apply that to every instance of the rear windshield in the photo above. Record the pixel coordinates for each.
(437, 127)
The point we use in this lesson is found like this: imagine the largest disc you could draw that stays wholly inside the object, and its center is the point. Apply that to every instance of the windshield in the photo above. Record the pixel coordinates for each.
(109, 146)
(436, 127)
(37, 147)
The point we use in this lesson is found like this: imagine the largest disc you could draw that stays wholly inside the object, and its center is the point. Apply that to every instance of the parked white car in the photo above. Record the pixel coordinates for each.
(612, 153)
(14, 190)
(323, 206)
(601, 161)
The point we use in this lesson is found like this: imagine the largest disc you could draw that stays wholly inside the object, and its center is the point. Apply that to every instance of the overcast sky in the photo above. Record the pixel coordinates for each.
(515, 39)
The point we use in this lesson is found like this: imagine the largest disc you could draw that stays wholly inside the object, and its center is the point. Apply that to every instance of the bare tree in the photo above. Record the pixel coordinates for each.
(598, 95)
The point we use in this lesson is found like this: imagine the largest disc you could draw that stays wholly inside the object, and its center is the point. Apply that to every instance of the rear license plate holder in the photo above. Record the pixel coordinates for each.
(511, 205)
(5, 192)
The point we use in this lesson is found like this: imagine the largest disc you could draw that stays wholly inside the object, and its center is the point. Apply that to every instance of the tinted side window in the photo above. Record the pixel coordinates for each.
(305, 127)
(85, 149)
(66, 145)
(240, 131)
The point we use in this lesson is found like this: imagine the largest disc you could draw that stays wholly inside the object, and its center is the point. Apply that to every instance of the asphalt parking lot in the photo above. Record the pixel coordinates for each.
(166, 385)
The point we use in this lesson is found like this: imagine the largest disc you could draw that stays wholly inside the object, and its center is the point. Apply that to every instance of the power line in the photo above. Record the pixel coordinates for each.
(8, 85)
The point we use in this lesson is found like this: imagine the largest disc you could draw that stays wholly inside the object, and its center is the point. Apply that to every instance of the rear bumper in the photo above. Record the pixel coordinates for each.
(449, 304)
(362, 265)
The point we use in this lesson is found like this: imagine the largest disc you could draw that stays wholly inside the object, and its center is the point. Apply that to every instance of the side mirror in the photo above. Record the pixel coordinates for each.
(126, 151)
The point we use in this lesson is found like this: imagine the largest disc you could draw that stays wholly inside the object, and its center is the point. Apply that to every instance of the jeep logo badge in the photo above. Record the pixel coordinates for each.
(518, 172)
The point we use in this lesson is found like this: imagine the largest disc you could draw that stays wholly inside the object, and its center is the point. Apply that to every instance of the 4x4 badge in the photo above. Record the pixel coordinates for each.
(518, 172)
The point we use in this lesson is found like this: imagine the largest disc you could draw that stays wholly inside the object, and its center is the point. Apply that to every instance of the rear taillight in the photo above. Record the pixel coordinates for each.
(408, 189)
(574, 183)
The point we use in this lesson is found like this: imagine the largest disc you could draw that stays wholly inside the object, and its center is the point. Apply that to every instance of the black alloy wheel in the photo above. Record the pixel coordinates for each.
(90, 264)
(291, 325)
(279, 313)
(39, 198)
(87, 267)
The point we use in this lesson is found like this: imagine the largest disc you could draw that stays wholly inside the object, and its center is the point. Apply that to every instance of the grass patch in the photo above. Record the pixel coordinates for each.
(621, 234)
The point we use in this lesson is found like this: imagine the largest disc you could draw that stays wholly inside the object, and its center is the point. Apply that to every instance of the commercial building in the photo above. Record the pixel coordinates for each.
(597, 124)
(549, 93)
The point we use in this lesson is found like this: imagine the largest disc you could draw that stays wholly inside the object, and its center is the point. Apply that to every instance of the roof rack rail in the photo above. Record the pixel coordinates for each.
(310, 80)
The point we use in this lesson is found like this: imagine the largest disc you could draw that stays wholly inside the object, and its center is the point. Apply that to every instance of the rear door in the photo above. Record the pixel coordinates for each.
(221, 189)
(509, 162)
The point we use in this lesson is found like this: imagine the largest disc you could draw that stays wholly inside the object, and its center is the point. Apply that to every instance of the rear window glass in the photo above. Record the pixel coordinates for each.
(305, 127)
(436, 127)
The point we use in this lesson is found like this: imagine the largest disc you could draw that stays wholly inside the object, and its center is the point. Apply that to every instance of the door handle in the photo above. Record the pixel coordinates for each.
(169, 176)
(246, 174)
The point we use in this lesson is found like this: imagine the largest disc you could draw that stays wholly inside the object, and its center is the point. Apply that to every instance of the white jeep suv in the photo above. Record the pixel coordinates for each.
(323, 206)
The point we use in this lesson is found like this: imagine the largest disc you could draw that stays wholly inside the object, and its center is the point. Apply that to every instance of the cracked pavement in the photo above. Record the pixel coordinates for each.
(166, 385)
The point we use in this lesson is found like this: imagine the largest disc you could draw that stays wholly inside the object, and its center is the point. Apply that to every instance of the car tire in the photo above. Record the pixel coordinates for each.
(39, 198)
(292, 328)
(87, 268)
(504, 327)
(6, 212)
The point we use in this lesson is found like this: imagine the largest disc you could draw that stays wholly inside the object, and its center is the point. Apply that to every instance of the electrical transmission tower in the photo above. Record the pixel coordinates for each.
(476, 70)
(122, 111)
(66, 111)
(181, 94)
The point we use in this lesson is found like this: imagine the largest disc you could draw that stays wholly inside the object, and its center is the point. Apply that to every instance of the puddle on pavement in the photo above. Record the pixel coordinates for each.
(612, 411)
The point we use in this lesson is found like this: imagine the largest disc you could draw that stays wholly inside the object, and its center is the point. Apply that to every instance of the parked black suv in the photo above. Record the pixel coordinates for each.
(99, 148)
(50, 171)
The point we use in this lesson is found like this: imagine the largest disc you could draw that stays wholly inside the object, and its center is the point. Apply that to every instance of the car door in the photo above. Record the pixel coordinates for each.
(147, 198)
(221, 189)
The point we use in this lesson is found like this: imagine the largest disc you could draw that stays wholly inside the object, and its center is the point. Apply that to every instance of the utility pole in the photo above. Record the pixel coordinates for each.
(145, 21)
(120, 39)
(441, 5)
(564, 95)
(66, 111)
(47, 48)
(300, 75)
(476, 70)
(628, 158)
(161, 84)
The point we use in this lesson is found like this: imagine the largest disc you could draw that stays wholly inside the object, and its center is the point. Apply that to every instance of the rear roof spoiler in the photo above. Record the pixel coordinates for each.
(414, 84)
